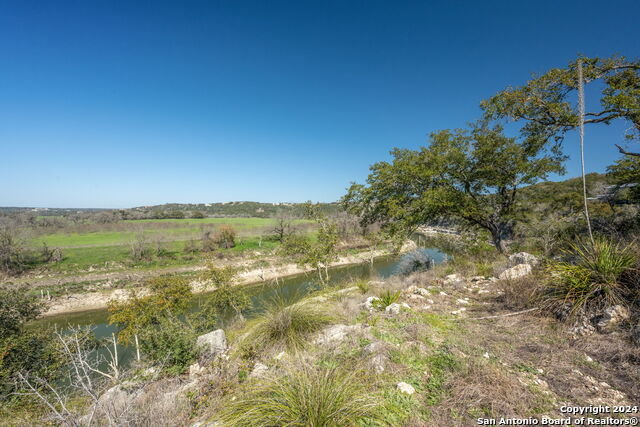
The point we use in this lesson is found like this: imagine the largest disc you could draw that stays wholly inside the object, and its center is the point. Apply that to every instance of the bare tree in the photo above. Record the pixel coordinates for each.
(283, 226)
(84, 378)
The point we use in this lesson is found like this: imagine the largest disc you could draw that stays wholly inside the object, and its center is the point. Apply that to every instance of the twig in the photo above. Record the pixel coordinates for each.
(502, 315)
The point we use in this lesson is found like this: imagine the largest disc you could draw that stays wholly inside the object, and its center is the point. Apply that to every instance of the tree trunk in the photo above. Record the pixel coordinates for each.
(496, 236)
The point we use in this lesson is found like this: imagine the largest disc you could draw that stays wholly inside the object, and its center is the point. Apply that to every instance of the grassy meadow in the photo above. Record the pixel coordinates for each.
(108, 246)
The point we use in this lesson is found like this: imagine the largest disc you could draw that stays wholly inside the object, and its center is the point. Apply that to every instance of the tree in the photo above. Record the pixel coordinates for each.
(546, 101)
(283, 226)
(24, 349)
(225, 295)
(625, 174)
(168, 296)
(318, 254)
(471, 176)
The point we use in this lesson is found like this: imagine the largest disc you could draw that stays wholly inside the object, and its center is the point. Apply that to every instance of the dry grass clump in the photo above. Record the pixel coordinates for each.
(482, 389)
(522, 292)
(283, 325)
(304, 395)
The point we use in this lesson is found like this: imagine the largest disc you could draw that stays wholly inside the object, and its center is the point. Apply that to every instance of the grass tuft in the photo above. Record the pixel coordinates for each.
(283, 325)
(304, 395)
(594, 277)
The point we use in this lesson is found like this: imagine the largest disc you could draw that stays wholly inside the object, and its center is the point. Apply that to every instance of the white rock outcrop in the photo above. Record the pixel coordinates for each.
(214, 342)
(520, 270)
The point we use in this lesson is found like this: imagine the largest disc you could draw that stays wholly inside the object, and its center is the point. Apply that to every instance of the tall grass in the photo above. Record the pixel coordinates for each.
(595, 275)
(283, 325)
(304, 395)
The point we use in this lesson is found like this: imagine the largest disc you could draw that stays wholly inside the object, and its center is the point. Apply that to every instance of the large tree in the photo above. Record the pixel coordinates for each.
(471, 176)
(548, 102)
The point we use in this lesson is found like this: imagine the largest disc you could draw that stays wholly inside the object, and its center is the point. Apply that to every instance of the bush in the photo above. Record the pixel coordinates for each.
(22, 349)
(304, 396)
(415, 261)
(386, 299)
(593, 276)
(225, 237)
(170, 343)
(284, 325)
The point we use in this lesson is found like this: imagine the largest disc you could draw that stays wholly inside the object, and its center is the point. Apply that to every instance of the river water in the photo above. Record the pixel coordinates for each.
(292, 288)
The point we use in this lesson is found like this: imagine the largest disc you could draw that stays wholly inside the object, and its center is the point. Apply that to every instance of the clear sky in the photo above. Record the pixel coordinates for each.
(128, 103)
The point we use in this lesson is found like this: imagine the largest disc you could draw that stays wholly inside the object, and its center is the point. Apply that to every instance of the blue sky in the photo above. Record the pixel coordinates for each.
(119, 104)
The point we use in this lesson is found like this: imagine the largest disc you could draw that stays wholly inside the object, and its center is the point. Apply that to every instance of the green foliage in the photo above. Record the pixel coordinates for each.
(225, 295)
(169, 296)
(170, 343)
(305, 395)
(225, 237)
(594, 276)
(318, 254)
(23, 349)
(283, 325)
(363, 285)
(545, 101)
(386, 299)
(471, 176)
(626, 172)
(16, 308)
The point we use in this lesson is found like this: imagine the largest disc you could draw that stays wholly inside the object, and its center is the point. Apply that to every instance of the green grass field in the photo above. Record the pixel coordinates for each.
(110, 249)
(163, 229)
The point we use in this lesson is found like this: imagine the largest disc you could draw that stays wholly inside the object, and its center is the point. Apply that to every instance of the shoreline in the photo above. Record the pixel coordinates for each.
(98, 300)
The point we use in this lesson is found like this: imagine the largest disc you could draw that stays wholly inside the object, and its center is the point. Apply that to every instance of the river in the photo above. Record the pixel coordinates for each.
(292, 288)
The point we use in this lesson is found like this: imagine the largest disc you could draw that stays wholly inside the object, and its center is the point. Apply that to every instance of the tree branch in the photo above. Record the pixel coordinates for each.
(627, 153)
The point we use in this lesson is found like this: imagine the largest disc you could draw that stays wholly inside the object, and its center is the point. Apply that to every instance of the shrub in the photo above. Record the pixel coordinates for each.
(415, 261)
(386, 299)
(191, 247)
(170, 343)
(225, 237)
(140, 249)
(304, 396)
(593, 277)
(284, 325)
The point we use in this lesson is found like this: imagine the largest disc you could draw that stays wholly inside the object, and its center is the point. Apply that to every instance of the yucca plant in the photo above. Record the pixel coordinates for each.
(304, 395)
(594, 275)
(283, 325)
(363, 286)
(386, 298)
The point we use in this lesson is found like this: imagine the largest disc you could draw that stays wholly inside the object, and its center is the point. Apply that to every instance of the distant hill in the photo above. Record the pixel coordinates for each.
(226, 209)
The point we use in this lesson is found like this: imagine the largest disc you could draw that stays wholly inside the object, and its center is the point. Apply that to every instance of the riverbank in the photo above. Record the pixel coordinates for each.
(86, 301)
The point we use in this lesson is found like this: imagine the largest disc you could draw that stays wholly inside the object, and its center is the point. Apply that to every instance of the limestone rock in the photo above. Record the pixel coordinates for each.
(368, 304)
(196, 370)
(520, 270)
(336, 333)
(392, 309)
(406, 388)
(373, 347)
(523, 258)
(611, 317)
(214, 342)
(259, 369)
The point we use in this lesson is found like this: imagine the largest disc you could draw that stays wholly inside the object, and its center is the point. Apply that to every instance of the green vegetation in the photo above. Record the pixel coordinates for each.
(305, 395)
(386, 298)
(316, 253)
(225, 296)
(596, 276)
(544, 102)
(285, 326)
(472, 177)
(22, 349)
